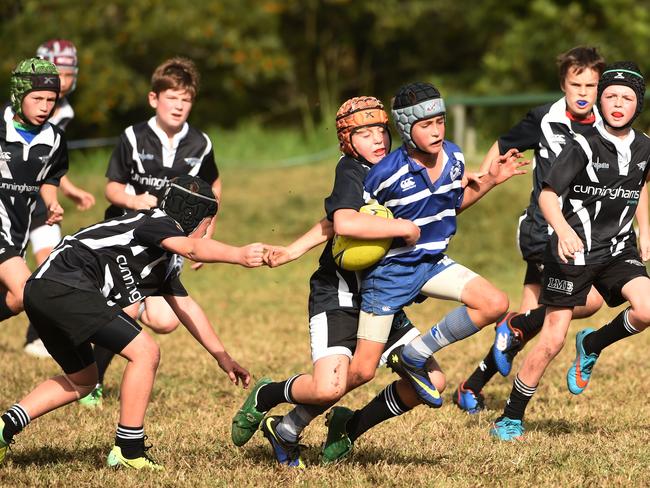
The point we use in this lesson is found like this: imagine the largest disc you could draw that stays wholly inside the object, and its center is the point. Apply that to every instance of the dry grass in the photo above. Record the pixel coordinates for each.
(597, 439)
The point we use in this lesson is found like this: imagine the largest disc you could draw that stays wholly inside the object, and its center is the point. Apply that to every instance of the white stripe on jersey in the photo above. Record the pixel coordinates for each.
(618, 246)
(52, 255)
(393, 178)
(416, 197)
(110, 223)
(109, 283)
(345, 296)
(583, 215)
(130, 135)
(450, 212)
(5, 172)
(6, 224)
(46, 167)
(146, 271)
(116, 240)
(431, 246)
(208, 147)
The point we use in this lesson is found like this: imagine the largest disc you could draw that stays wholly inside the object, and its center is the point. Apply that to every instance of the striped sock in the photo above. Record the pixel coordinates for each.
(130, 440)
(386, 405)
(619, 328)
(274, 394)
(456, 325)
(293, 423)
(15, 420)
(518, 400)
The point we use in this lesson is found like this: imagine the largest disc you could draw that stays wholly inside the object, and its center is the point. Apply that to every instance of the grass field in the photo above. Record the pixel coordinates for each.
(597, 439)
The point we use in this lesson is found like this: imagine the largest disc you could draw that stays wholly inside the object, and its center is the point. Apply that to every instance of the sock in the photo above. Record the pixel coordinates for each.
(31, 335)
(274, 394)
(293, 423)
(518, 400)
(15, 420)
(529, 323)
(130, 440)
(456, 325)
(5, 311)
(103, 358)
(482, 374)
(384, 406)
(617, 329)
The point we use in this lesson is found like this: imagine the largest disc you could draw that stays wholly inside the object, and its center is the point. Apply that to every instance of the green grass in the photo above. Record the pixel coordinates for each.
(597, 439)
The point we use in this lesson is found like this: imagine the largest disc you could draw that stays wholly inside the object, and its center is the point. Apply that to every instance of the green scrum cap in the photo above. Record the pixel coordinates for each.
(30, 75)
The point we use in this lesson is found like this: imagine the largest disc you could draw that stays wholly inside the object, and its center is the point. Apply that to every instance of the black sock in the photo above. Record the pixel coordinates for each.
(518, 399)
(384, 406)
(619, 328)
(130, 440)
(31, 335)
(5, 311)
(103, 358)
(482, 374)
(529, 323)
(15, 420)
(274, 394)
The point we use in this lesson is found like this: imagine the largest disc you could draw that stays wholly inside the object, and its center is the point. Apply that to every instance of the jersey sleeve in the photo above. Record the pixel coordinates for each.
(348, 189)
(119, 166)
(524, 135)
(568, 164)
(209, 171)
(153, 231)
(59, 164)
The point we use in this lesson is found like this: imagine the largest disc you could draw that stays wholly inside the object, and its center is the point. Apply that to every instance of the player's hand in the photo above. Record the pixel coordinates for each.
(411, 234)
(644, 247)
(144, 201)
(54, 214)
(82, 199)
(252, 255)
(234, 371)
(507, 165)
(277, 256)
(568, 244)
(471, 179)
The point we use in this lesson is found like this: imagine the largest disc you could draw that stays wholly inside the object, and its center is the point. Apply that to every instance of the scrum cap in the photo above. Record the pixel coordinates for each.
(188, 200)
(354, 114)
(415, 102)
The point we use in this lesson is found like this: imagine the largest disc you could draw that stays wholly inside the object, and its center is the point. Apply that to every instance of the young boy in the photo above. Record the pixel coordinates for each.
(364, 139)
(42, 237)
(600, 176)
(423, 181)
(545, 129)
(33, 159)
(147, 156)
(76, 298)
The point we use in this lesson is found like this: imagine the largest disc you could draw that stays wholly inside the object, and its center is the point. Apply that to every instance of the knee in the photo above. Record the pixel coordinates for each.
(439, 380)
(362, 376)
(552, 345)
(496, 304)
(328, 394)
(149, 354)
(164, 326)
(640, 316)
(594, 303)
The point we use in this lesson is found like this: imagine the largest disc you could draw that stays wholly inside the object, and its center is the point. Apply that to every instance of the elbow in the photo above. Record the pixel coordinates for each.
(342, 228)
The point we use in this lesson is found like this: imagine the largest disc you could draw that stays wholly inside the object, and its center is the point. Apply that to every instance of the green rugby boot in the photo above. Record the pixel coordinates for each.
(247, 420)
(4, 445)
(337, 445)
(116, 460)
(94, 398)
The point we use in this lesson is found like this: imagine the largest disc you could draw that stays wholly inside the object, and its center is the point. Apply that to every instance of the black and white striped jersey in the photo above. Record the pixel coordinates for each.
(63, 114)
(144, 162)
(121, 258)
(331, 287)
(599, 179)
(545, 129)
(24, 167)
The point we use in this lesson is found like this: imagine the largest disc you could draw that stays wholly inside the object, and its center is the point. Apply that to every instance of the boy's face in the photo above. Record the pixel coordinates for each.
(618, 104)
(428, 134)
(37, 106)
(580, 90)
(172, 108)
(67, 77)
(371, 143)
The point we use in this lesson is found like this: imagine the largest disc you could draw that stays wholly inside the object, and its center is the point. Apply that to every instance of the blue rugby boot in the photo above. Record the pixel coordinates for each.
(467, 400)
(417, 376)
(507, 429)
(577, 378)
(286, 453)
(507, 344)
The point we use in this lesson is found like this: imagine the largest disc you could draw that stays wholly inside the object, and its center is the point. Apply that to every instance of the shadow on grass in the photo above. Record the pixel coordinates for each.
(93, 457)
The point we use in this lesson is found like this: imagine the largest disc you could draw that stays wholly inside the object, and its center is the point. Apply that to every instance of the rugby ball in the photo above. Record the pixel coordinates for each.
(357, 254)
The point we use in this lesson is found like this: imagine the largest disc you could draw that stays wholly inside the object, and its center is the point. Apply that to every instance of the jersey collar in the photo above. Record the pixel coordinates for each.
(557, 113)
(45, 136)
(164, 140)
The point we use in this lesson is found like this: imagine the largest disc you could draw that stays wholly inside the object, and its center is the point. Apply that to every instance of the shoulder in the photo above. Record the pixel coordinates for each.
(198, 137)
(390, 163)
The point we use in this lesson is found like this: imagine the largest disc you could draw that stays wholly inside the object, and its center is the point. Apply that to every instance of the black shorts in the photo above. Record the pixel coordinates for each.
(568, 286)
(335, 332)
(8, 251)
(68, 320)
(534, 271)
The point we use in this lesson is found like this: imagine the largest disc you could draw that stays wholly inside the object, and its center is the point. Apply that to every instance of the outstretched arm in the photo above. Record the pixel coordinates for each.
(501, 169)
(321, 232)
(54, 209)
(491, 155)
(210, 251)
(116, 194)
(82, 199)
(197, 323)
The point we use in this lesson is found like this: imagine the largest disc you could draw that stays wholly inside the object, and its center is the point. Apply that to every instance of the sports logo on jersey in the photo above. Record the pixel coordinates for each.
(562, 286)
(44, 159)
(558, 139)
(598, 165)
(193, 161)
(455, 171)
(2, 250)
(5, 156)
(145, 156)
(635, 262)
(642, 165)
(407, 183)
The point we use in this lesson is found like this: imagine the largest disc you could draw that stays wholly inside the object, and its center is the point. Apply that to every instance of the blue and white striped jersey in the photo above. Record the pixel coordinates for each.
(402, 185)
